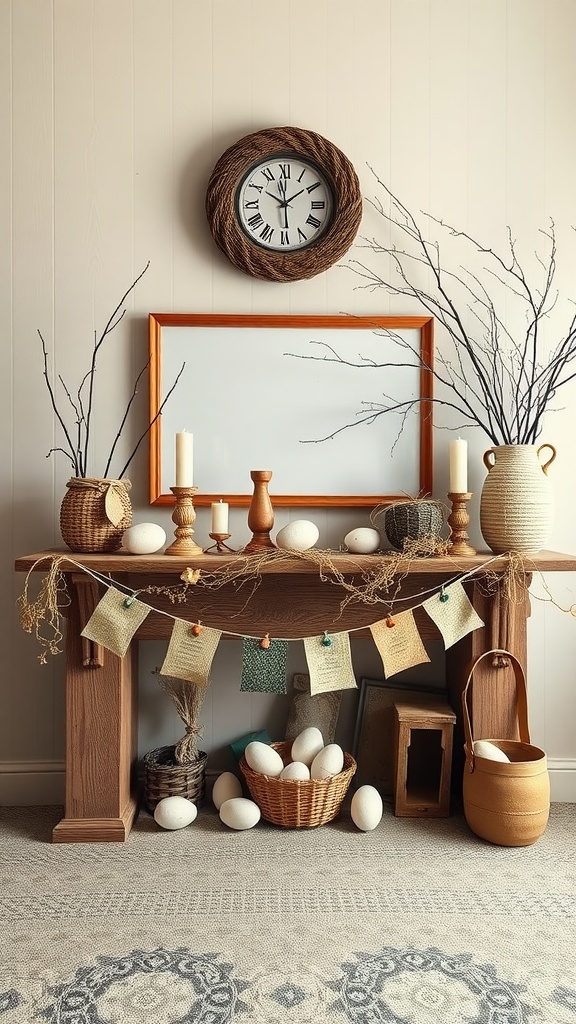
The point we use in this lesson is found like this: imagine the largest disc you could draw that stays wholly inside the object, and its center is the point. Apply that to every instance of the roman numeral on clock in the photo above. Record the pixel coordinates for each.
(312, 221)
(284, 170)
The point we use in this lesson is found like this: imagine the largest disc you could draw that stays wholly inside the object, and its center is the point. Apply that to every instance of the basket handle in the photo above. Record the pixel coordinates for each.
(521, 703)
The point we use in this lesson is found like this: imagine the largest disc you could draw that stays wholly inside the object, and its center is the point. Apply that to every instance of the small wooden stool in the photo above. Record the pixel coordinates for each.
(423, 759)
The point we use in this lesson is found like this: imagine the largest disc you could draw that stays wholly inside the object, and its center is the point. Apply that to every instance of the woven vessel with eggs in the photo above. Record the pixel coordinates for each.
(298, 803)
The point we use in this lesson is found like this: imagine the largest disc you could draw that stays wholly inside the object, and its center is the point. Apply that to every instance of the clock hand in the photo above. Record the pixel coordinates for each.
(295, 194)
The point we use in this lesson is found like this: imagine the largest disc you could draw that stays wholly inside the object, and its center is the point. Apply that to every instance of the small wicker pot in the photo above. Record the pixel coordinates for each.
(411, 520)
(95, 513)
(164, 776)
(295, 803)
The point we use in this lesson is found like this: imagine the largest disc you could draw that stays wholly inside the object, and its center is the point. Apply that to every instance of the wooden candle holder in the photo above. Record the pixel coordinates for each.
(184, 515)
(458, 520)
(260, 513)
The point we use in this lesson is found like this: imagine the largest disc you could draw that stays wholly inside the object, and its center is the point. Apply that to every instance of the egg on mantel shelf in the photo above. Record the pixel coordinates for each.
(362, 541)
(300, 535)
(143, 538)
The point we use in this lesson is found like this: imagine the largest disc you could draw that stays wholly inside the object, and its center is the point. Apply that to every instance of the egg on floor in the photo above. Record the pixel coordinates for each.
(261, 757)
(173, 812)
(329, 761)
(239, 813)
(366, 808)
(306, 745)
(226, 786)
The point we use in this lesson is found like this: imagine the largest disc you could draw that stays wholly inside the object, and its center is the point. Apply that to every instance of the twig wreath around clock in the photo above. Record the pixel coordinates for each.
(283, 204)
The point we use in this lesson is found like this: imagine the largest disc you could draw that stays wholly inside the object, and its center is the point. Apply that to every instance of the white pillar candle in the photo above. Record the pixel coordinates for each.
(219, 516)
(458, 467)
(184, 459)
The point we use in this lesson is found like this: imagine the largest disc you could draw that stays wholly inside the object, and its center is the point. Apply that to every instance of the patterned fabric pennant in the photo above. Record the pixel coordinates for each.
(189, 654)
(399, 645)
(453, 613)
(264, 669)
(329, 663)
(115, 620)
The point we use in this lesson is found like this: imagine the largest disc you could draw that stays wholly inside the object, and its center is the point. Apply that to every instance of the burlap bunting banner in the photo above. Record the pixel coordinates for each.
(190, 655)
(399, 644)
(329, 664)
(264, 668)
(453, 613)
(115, 620)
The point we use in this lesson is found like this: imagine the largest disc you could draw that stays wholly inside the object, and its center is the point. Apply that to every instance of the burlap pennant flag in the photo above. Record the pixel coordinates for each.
(399, 643)
(453, 613)
(115, 620)
(329, 662)
(264, 668)
(189, 655)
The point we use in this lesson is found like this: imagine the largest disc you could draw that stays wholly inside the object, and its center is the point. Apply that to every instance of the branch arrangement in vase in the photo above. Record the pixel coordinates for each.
(81, 404)
(498, 380)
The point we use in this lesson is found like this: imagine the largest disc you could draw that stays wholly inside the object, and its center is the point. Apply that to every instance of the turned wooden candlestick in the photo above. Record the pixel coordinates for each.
(260, 513)
(458, 520)
(184, 515)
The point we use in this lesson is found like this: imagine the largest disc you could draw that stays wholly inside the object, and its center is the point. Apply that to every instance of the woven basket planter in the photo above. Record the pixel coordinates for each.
(95, 513)
(295, 803)
(164, 776)
(411, 520)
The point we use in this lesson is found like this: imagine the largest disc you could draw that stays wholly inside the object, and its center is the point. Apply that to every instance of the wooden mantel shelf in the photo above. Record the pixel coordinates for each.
(291, 600)
(160, 564)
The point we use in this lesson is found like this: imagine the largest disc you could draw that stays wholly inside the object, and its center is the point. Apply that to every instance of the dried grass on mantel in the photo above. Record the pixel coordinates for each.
(380, 584)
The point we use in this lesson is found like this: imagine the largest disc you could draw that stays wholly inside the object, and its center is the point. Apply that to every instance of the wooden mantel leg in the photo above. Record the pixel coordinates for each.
(493, 699)
(101, 731)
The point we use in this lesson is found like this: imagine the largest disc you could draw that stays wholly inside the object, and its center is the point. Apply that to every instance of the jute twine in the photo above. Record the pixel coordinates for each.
(187, 699)
(42, 615)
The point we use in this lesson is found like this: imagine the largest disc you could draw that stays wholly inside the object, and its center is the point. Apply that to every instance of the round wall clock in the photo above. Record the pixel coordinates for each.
(283, 204)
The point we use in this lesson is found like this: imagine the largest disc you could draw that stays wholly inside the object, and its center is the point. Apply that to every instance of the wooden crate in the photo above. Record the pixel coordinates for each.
(423, 759)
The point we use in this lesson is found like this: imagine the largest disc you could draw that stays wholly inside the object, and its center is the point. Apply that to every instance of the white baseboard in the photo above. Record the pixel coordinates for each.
(25, 783)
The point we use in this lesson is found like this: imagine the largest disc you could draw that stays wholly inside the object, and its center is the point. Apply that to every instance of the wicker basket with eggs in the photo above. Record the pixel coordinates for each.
(300, 783)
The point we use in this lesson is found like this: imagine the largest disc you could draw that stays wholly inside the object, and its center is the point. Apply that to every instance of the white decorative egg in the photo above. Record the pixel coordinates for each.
(144, 538)
(226, 786)
(328, 762)
(239, 813)
(306, 745)
(298, 535)
(366, 808)
(483, 748)
(362, 541)
(261, 757)
(296, 770)
(175, 812)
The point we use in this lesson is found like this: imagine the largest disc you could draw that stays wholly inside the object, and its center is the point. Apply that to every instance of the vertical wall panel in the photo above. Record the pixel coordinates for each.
(113, 116)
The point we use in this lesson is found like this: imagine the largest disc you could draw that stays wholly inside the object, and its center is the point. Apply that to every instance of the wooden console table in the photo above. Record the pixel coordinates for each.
(291, 600)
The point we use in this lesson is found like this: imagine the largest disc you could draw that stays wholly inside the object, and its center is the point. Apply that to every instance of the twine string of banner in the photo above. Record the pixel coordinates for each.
(382, 585)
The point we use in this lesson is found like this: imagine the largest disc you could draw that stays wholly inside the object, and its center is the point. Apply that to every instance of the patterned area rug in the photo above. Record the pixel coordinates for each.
(418, 922)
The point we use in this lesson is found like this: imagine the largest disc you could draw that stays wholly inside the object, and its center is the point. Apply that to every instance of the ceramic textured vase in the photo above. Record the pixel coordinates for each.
(95, 513)
(516, 504)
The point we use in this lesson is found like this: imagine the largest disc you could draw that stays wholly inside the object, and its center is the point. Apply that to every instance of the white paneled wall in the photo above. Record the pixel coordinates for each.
(112, 115)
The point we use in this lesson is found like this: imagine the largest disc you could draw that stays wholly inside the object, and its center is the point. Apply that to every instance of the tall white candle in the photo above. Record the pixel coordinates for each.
(184, 459)
(219, 516)
(458, 467)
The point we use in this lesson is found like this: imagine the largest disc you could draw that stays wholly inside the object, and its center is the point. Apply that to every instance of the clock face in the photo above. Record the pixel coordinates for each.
(284, 203)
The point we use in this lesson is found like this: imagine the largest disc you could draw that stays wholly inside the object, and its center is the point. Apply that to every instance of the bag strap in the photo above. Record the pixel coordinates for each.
(521, 703)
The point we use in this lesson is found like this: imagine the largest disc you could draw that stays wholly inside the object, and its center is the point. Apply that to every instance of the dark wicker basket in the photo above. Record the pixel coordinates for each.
(412, 520)
(164, 776)
(298, 803)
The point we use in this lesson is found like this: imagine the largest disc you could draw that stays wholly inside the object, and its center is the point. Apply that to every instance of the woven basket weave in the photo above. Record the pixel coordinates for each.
(95, 513)
(163, 776)
(295, 803)
(411, 521)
